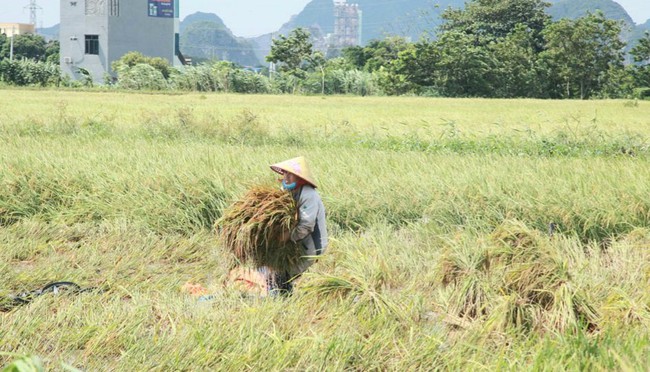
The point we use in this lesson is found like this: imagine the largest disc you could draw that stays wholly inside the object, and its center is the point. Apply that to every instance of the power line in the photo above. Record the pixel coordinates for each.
(32, 11)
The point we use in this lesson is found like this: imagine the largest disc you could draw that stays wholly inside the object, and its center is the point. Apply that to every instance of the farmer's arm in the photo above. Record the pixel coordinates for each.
(306, 219)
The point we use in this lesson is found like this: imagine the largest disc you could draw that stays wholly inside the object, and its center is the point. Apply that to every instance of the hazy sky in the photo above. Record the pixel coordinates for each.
(243, 17)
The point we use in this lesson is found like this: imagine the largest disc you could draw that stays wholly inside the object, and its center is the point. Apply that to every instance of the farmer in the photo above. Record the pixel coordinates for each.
(310, 232)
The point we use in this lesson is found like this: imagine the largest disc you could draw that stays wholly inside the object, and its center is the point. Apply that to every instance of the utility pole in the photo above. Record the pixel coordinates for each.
(271, 64)
(11, 48)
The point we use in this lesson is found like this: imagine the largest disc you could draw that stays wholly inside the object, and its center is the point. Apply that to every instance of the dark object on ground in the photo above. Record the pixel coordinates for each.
(279, 284)
(10, 302)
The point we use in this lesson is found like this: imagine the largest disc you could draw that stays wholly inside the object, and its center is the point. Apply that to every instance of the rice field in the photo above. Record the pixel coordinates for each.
(465, 233)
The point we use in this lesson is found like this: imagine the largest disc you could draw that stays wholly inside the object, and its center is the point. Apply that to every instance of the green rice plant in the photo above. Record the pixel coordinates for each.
(428, 221)
(603, 351)
(245, 128)
(27, 363)
(253, 228)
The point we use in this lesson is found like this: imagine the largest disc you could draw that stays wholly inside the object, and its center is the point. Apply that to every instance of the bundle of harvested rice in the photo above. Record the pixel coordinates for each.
(252, 228)
(537, 281)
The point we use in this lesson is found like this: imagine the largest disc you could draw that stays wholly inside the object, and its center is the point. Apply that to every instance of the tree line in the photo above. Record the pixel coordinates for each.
(490, 48)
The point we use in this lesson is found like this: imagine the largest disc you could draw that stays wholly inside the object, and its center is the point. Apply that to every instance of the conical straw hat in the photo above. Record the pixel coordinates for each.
(297, 166)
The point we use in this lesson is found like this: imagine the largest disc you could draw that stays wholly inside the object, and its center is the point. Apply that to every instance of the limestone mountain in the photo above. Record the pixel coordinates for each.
(417, 18)
(578, 8)
(413, 18)
(49, 33)
(637, 33)
(204, 36)
(410, 18)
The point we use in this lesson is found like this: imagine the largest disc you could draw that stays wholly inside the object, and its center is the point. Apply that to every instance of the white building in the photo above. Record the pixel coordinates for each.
(12, 29)
(94, 33)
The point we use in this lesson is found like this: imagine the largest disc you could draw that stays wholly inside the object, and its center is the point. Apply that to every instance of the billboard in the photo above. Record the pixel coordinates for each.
(161, 8)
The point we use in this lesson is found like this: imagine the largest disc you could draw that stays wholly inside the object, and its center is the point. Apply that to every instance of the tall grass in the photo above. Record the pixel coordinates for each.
(439, 212)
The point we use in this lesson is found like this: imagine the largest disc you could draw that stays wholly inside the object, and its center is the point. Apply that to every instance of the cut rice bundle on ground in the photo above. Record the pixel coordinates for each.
(538, 282)
(519, 281)
(252, 228)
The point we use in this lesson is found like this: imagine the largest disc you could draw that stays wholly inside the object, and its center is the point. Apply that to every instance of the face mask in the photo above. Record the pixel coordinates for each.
(288, 186)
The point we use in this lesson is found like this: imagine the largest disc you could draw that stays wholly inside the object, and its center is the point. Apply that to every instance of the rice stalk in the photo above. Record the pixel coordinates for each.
(471, 298)
(622, 308)
(459, 262)
(365, 280)
(252, 228)
(538, 282)
(571, 311)
(364, 294)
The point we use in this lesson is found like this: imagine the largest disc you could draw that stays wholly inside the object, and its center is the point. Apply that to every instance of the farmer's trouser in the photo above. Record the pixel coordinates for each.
(279, 283)
(283, 281)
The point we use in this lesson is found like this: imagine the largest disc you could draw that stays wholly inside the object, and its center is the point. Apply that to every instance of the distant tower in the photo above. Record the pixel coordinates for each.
(347, 24)
(32, 11)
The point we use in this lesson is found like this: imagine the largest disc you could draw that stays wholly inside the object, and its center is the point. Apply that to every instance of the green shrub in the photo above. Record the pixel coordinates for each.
(642, 93)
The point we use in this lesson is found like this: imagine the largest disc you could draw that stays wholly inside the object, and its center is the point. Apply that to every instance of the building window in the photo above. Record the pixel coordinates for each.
(92, 44)
(114, 8)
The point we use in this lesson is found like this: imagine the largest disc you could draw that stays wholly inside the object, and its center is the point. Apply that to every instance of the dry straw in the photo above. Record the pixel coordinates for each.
(252, 228)
(518, 281)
